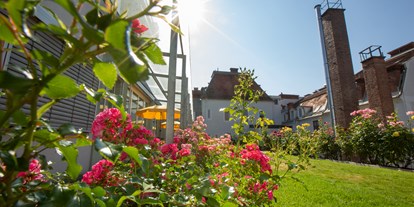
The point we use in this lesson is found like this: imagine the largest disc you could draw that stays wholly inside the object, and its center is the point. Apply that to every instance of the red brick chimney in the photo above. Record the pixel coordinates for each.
(344, 93)
(377, 84)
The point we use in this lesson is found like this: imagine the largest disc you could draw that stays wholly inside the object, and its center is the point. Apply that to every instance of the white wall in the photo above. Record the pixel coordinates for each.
(216, 125)
(405, 102)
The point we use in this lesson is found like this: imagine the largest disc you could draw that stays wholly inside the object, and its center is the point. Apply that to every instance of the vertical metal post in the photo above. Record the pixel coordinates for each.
(172, 73)
(326, 67)
(184, 94)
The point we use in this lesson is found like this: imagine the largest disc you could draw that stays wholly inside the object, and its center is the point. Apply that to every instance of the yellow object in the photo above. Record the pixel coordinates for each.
(157, 112)
(395, 134)
(176, 125)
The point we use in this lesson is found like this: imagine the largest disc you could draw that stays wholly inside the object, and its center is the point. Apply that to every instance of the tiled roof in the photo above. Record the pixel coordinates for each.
(222, 85)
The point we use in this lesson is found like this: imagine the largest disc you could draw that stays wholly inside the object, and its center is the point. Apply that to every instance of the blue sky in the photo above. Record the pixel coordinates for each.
(280, 39)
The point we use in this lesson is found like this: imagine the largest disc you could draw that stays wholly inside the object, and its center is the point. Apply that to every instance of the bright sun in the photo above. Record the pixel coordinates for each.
(192, 11)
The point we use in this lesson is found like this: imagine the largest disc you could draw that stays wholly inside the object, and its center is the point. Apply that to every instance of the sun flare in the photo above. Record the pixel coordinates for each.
(192, 11)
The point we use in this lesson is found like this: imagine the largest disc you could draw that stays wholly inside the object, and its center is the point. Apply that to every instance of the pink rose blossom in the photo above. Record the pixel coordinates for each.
(33, 173)
(137, 27)
(270, 195)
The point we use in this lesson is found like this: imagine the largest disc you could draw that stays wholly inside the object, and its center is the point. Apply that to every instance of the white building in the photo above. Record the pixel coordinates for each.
(210, 102)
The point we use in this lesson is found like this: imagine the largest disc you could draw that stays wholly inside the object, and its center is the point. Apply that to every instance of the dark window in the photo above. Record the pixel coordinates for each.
(226, 116)
(315, 125)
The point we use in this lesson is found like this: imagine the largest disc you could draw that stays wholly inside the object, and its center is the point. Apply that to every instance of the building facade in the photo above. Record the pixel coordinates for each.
(210, 102)
(78, 110)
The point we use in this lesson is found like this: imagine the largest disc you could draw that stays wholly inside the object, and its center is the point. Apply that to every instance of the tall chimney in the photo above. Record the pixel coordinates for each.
(377, 85)
(339, 59)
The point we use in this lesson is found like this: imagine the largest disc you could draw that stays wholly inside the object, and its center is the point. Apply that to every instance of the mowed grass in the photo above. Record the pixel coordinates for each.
(332, 183)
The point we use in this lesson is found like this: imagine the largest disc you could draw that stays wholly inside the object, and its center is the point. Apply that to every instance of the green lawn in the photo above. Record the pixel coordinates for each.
(339, 184)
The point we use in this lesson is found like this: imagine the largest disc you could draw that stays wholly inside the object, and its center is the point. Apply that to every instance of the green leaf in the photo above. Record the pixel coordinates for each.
(104, 21)
(15, 9)
(60, 196)
(44, 135)
(226, 192)
(130, 197)
(8, 159)
(67, 129)
(154, 53)
(91, 95)
(57, 31)
(131, 68)
(87, 191)
(14, 83)
(100, 203)
(61, 87)
(108, 150)
(45, 107)
(69, 7)
(6, 34)
(117, 34)
(83, 142)
(212, 202)
(106, 72)
(71, 154)
(46, 58)
(229, 204)
(172, 26)
(133, 153)
(92, 17)
(20, 118)
(99, 191)
(145, 163)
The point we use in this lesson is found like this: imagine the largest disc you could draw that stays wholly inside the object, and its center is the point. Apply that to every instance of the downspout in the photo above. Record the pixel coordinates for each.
(326, 67)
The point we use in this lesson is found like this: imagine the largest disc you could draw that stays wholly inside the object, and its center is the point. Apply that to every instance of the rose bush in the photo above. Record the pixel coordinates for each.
(373, 140)
(95, 28)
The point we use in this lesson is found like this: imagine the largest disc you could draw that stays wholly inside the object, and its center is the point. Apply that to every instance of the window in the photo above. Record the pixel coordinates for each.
(315, 125)
(292, 115)
(208, 114)
(226, 116)
(300, 112)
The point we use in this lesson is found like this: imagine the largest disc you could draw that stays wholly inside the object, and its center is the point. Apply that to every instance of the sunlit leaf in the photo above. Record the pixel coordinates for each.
(133, 153)
(154, 53)
(106, 72)
(117, 34)
(45, 107)
(71, 154)
(6, 34)
(98, 191)
(61, 87)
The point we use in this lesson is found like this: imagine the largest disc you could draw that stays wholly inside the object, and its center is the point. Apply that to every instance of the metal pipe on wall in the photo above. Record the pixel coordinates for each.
(326, 67)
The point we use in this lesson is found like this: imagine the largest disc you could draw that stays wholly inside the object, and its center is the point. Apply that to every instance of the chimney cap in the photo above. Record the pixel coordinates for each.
(234, 70)
(371, 51)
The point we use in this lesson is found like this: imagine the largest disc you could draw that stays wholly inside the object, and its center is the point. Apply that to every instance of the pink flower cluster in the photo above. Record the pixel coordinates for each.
(109, 126)
(101, 174)
(33, 173)
(141, 136)
(259, 188)
(364, 113)
(173, 152)
(170, 151)
(137, 27)
(252, 152)
(198, 124)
